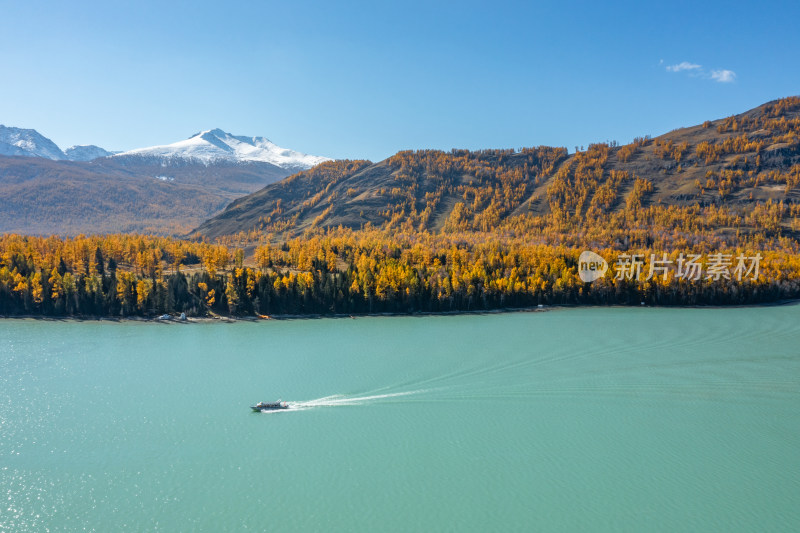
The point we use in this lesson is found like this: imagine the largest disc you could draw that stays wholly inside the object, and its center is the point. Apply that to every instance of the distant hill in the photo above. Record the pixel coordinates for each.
(86, 152)
(39, 196)
(164, 190)
(737, 163)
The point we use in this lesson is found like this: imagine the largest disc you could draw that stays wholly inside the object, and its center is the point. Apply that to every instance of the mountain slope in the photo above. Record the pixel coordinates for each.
(41, 196)
(38, 196)
(737, 163)
(30, 143)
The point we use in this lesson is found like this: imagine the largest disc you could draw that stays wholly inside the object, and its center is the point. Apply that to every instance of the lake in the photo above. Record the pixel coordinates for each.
(588, 419)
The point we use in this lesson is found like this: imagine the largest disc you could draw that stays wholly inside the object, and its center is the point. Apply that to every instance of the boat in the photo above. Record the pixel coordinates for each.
(269, 406)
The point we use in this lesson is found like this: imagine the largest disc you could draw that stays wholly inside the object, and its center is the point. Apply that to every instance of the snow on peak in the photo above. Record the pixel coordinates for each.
(217, 145)
(206, 147)
(31, 143)
(85, 152)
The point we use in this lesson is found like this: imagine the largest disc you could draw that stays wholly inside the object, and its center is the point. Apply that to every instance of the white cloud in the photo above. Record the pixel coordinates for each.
(723, 75)
(694, 70)
(683, 65)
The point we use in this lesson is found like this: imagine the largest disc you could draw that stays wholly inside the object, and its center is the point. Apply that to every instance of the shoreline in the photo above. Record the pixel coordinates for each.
(317, 316)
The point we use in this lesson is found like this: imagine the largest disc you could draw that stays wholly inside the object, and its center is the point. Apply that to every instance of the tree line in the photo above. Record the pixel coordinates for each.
(344, 271)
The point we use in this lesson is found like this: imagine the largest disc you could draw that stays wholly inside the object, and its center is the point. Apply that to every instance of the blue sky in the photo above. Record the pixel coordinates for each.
(366, 79)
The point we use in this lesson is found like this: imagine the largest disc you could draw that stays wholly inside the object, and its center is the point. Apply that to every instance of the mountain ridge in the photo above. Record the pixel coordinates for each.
(208, 147)
(214, 145)
(735, 163)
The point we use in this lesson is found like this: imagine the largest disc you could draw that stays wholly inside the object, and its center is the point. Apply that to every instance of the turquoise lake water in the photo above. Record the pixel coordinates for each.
(592, 419)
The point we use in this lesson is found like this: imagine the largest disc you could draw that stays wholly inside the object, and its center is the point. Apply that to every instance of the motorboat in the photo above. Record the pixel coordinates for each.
(269, 406)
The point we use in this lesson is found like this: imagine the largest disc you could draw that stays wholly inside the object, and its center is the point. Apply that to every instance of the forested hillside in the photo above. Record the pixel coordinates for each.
(724, 180)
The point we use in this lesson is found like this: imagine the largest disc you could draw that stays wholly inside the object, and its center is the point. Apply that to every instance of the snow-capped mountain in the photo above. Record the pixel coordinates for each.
(19, 141)
(218, 146)
(205, 148)
(86, 152)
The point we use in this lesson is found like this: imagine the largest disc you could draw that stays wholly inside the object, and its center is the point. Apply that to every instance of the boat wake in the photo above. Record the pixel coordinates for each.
(341, 400)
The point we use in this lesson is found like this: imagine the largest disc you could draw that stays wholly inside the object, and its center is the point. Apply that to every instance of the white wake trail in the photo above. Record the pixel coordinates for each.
(340, 400)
